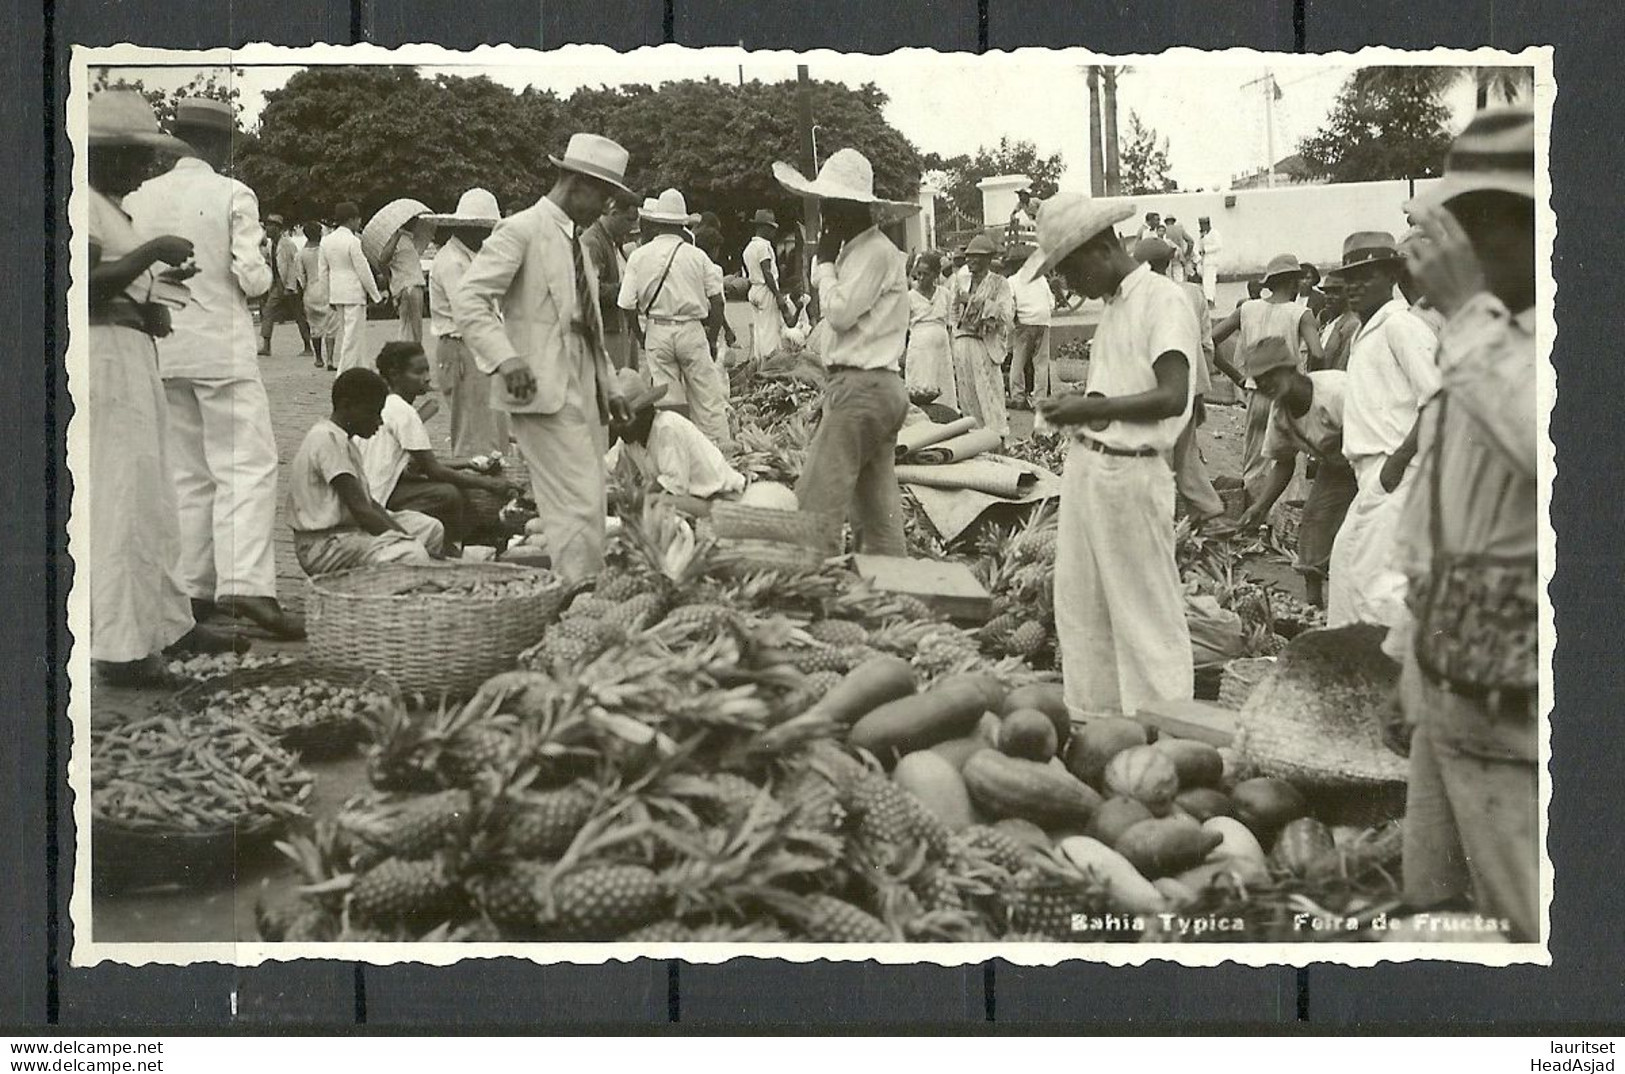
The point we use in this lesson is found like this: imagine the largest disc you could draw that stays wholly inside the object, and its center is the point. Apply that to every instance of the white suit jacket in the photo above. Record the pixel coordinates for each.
(350, 280)
(518, 299)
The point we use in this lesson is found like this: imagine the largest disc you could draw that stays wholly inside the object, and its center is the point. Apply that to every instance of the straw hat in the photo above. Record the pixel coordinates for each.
(846, 176)
(640, 394)
(1316, 718)
(765, 216)
(669, 208)
(476, 208)
(1065, 222)
(1495, 152)
(205, 113)
(597, 157)
(1153, 251)
(1365, 248)
(1269, 353)
(1283, 265)
(123, 117)
(980, 246)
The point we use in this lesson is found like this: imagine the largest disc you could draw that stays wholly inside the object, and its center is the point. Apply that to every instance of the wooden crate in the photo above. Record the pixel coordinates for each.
(1199, 720)
(947, 587)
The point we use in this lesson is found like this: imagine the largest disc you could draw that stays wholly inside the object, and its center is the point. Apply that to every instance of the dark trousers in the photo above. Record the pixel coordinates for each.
(440, 501)
(283, 305)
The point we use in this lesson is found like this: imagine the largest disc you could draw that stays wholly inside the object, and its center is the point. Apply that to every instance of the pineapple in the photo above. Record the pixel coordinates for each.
(936, 890)
(587, 606)
(603, 901)
(820, 683)
(996, 631)
(999, 847)
(398, 890)
(826, 919)
(854, 655)
(811, 659)
(510, 896)
(813, 801)
(712, 617)
(944, 651)
(480, 747)
(839, 633)
(613, 589)
(293, 918)
(1038, 902)
(542, 825)
(660, 932)
(914, 609)
(734, 795)
(413, 829)
(635, 613)
(887, 813)
(1028, 638)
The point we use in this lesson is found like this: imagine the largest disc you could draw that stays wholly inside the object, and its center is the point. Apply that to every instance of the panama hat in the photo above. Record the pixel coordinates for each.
(1271, 352)
(640, 394)
(476, 208)
(123, 117)
(980, 246)
(1495, 152)
(669, 208)
(1153, 251)
(846, 176)
(205, 113)
(765, 216)
(1366, 248)
(1065, 222)
(1283, 265)
(597, 157)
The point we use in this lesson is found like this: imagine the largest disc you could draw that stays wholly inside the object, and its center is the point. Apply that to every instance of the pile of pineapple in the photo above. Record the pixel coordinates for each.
(653, 772)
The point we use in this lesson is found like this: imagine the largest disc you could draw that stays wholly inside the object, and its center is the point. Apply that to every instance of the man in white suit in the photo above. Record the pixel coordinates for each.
(350, 287)
(528, 309)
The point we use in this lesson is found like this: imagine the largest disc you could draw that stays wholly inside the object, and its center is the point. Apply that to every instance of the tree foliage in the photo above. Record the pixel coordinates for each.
(961, 173)
(208, 83)
(1387, 123)
(1145, 160)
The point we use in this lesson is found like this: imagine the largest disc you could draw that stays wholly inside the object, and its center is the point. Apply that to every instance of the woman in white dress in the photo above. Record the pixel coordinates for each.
(928, 364)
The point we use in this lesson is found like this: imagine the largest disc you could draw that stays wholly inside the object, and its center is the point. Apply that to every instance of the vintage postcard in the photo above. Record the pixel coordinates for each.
(691, 503)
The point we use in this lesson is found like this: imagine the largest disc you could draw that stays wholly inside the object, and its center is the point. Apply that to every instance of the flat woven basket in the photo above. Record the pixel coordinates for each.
(745, 554)
(311, 740)
(126, 859)
(815, 532)
(384, 223)
(1239, 677)
(432, 643)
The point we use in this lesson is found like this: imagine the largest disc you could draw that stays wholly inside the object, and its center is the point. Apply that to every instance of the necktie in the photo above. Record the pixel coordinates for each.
(584, 303)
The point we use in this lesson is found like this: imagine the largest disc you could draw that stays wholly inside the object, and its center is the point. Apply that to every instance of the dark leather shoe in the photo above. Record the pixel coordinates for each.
(267, 614)
(204, 640)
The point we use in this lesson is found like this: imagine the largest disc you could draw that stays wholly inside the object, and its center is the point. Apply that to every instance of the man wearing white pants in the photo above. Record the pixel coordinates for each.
(350, 287)
(669, 284)
(222, 451)
(1207, 256)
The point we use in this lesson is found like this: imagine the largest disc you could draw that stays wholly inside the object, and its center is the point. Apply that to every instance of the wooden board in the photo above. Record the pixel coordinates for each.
(1200, 720)
(948, 587)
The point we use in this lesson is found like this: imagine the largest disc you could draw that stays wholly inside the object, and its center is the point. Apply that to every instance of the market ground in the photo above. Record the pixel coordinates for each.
(299, 395)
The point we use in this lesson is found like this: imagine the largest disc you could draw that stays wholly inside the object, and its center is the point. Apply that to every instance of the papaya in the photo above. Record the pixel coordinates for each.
(1024, 831)
(1116, 816)
(958, 750)
(1266, 805)
(1127, 889)
(1011, 787)
(1095, 743)
(1048, 698)
(1204, 802)
(949, 709)
(1198, 764)
(934, 780)
(1029, 734)
(1166, 846)
(1236, 841)
(865, 688)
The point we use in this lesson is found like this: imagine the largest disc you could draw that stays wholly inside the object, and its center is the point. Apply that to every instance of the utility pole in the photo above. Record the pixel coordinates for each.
(809, 154)
(1272, 93)
(1097, 158)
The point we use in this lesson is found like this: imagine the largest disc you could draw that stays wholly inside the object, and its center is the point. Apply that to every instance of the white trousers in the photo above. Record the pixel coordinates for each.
(337, 550)
(766, 322)
(1365, 584)
(223, 456)
(1119, 609)
(351, 342)
(1210, 282)
(679, 356)
(564, 453)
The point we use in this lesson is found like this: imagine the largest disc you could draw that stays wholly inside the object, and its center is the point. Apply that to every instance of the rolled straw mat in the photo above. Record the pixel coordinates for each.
(992, 474)
(923, 434)
(960, 449)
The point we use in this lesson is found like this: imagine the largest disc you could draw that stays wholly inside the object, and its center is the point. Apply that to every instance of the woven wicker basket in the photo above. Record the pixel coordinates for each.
(1069, 370)
(820, 533)
(744, 554)
(313, 741)
(384, 223)
(1239, 677)
(432, 643)
(126, 859)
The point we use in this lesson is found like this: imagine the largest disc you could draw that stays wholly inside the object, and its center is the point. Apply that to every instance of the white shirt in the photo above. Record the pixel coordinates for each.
(349, 275)
(758, 250)
(864, 300)
(213, 336)
(405, 265)
(1207, 246)
(1319, 432)
(384, 454)
(1035, 302)
(689, 287)
(1392, 374)
(450, 265)
(313, 503)
(1146, 317)
(683, 460)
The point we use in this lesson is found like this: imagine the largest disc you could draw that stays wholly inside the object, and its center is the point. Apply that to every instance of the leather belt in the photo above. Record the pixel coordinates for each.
(653, 319)
(1115, 452)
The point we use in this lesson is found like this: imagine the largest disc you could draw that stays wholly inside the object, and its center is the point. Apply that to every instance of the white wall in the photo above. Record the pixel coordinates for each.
(1309, 221)
(999, 197)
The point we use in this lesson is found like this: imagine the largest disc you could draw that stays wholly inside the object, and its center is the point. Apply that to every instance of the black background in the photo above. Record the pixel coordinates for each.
(39, 989)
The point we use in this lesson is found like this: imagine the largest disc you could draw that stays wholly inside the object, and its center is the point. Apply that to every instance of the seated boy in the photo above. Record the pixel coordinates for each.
(1306, 417)
(671, 452)
(402, 471)
(336, 522)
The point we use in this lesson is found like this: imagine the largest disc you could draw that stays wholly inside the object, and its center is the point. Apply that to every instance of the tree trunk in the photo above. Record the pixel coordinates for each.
(1097, 165)
(1483, 89)
(1114, 166)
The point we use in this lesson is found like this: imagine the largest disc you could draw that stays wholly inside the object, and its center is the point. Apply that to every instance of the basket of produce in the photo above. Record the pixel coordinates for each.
(1069, 370)
(187, 802)
(815, 532)
(195, 669)
(752, 554)
(317, 713)
(1239, 677)
(432, 628)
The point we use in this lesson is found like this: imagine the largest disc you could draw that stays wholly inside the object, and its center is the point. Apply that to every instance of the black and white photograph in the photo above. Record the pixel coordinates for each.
(698, 502)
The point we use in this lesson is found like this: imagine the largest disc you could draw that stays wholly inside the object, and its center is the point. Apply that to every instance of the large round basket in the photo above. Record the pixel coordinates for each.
(742, 555)
(1239, 677)
(314, 740)
(381, 619)
(127, 859)
(813, 531)
(1069, 370)
(384, 223)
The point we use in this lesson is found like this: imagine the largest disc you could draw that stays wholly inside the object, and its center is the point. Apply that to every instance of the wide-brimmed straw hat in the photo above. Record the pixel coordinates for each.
(476, 208)
(123, 117)
(640, 394)
(1317, 718)
(1065, 222)
(1283, 265)
(980, 246)
(385, 222)
(846, 176)
(1495, 152)
(205, 113)
(1367, 248)
(597, 157)
(669, 208)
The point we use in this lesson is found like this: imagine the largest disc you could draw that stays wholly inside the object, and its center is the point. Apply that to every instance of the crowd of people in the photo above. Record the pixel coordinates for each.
(1404, 377)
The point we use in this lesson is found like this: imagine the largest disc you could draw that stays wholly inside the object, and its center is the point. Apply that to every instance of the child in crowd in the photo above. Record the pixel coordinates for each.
(336, 522)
